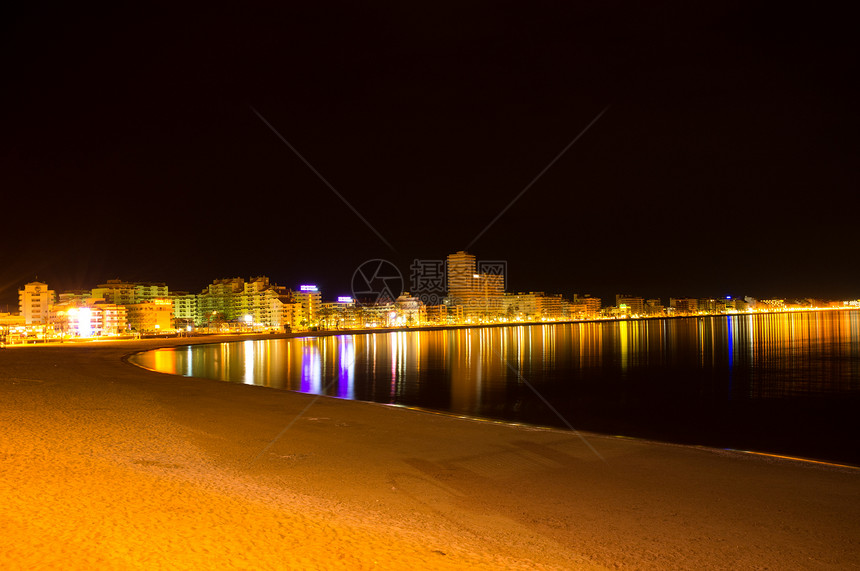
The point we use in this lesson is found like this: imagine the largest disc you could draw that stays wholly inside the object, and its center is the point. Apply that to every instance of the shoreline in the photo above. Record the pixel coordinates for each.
(785, 455)
(107, 465)
(171, 342)
(370, 330)
(839, 453)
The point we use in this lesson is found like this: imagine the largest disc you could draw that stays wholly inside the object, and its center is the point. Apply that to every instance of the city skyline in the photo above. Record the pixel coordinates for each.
(475, 288)
(463, 267)
(706, 150)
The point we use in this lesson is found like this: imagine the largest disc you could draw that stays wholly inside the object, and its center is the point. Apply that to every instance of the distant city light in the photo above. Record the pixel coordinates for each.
(482, 300)
(85, 326)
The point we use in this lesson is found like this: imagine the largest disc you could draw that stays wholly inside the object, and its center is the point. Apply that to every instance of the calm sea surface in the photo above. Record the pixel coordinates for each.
(784, 383)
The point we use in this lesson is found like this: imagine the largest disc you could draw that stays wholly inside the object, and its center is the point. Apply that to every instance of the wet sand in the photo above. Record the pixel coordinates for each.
(107, 466)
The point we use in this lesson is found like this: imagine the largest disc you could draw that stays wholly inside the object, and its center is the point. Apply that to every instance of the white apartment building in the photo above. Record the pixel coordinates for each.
(34, 302)
(184, 309)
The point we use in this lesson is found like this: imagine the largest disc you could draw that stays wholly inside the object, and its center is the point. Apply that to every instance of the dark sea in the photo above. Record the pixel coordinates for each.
(782, 383)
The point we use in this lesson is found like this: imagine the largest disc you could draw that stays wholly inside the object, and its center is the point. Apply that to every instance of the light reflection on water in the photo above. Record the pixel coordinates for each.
(788, 381)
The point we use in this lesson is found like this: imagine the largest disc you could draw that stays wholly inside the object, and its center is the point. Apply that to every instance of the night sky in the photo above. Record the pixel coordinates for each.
(725, 160)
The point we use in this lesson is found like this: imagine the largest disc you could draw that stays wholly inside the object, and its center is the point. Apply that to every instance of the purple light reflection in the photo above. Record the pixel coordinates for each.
(311, 367)
(346, 370)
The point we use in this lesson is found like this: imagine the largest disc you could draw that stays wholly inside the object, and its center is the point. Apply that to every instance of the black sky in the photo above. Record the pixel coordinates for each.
(726, 162)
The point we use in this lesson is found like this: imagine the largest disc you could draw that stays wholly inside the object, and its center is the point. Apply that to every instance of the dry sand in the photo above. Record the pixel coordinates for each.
(107, 466)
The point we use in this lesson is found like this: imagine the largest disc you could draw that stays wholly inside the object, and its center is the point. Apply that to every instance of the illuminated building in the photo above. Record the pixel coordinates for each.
(479, 294)
(634, 305)
(150, 316)
(125, 293)
(550, 306)
(292, 314)
(79, 296)
(535, 305)
(378, 314)
(735, 304)
(93, 318)
(436, 314)
(521, 306)
(12, 329)
(218, 302)
(654, 307)
(234, 302)
(487, 291)
(113, 318)
(340, 314)
(260, 300)
(184, 309)
(115, 291)
(592, 304)
(311, 299)
(684, 305)
(456, 314)
(147, 290)
(461, 271)
(9, 320)
(34, 302)
(577, 309)
(76, 321)
(410, 310)
(710, 305)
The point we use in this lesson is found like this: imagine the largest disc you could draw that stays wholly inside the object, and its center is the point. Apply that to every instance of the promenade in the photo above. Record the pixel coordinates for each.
(104, 465)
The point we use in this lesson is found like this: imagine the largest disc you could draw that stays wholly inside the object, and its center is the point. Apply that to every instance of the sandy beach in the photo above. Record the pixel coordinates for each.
(108, 466)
